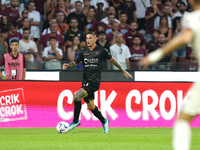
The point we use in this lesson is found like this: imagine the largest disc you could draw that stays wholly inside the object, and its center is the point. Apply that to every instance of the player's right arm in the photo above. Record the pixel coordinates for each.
(178, 41)
(69, 65)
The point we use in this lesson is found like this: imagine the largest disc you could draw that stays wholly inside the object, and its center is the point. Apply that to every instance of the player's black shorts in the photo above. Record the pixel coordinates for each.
(90, 88)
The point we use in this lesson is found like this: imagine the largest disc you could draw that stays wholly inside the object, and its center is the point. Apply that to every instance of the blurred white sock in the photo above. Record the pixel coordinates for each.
(181, 135)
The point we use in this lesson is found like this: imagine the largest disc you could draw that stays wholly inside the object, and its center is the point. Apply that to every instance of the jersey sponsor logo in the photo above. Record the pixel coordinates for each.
(129, 37)
(137, 56)
(14, 64)
(91, 62)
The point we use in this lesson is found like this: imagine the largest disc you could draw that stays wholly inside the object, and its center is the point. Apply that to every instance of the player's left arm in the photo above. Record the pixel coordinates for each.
(118, 65)
(184, 38)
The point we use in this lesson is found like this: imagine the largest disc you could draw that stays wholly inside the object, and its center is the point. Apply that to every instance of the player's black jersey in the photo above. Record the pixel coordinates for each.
(93, 62)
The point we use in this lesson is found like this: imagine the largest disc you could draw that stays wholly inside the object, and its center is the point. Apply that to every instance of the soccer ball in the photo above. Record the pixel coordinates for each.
(62, 127)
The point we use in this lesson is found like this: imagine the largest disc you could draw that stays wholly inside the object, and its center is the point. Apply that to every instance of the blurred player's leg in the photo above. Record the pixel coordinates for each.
(182, 132)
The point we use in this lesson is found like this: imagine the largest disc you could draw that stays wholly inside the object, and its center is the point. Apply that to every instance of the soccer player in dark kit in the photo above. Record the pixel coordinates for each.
(92, 57)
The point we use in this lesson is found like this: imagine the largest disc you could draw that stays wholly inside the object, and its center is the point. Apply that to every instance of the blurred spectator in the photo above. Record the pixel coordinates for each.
(2, 11)
(30, 64)
(92, 22)
(116, 5)
(96, 2)
(62, 26)
(150, 15)
(13, 34)
(192, 63)
(101, 27)
(25, 24)
(82, 20)
(45, 39)
(164, 28)
(174, 6)
(137, 52)
(123, 27)
(5, 22)
(40, 6)
(100, 12)
(111, 39)
(111, 10)
(60, 7)
(74, 31)
(24, 15)
(86, 6)
(102, 40)
(50, 5)
(111, 20)
(47, 31)
(28, 45)
(150, 46)
(67, 4)
(52, 55)
(176, 25)
(130, 9)
(34, 17)
(182, 10)
(120, 52)
(11, 12)
(141, 6)
(166, 12)
(73, 51)
(128, 36)
(3, 43)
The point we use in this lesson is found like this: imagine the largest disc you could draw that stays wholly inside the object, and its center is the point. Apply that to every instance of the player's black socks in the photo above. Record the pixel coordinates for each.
(98, 114)
(77, 109)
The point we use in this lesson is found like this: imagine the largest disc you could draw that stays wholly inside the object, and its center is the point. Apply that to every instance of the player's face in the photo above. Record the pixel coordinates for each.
(136, 41)
(123, 18)
(14, 3)
(14, 46)
(76, 41)
(26, 34)
(78, 6)
(91, 40)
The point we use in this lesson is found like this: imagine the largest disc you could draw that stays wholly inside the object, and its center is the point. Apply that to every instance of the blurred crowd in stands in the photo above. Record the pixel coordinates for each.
(53, 31)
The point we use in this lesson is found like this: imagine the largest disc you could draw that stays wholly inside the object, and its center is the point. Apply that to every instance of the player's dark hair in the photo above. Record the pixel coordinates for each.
(24, 19)
(136, 36)
(15, 40)
(4, 30)
(91, 32)
(25, 29)
(14, 24)
(53, 38)
(123, 13)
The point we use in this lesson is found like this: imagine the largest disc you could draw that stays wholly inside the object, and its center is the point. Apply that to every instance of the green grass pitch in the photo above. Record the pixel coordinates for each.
(91, 139)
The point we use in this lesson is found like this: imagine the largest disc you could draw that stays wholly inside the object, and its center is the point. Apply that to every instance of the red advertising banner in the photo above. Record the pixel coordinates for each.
(126, 104)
